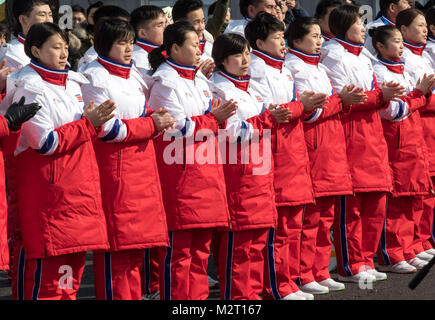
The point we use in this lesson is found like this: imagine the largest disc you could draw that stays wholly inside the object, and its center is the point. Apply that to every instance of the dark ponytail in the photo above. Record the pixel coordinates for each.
(381, 34)
(174, 34)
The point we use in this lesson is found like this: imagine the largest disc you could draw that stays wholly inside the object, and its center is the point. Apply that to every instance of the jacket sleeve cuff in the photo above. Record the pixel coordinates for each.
(93, 132)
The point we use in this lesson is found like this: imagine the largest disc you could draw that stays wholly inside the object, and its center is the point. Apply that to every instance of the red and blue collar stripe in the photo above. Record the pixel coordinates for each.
(249, 19)
(354, 48)
(394, 66)
(202, 45)
(327, 37)
(241, 83)
(431, 39)
(387, 21)
(115, 68)
(148, 46)
(21, 38)
(186, 72)
(415, 48)
(313, 59)
(275, 62)
(53, 76)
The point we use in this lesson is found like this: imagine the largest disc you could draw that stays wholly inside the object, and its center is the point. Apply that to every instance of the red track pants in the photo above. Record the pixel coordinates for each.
(357, 228)
(52, 278)
(117, 275)
(183, 265)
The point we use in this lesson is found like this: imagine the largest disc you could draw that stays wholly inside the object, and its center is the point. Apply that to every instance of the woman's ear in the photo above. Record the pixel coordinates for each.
(379, 47)
(35, 52)
(260, 44)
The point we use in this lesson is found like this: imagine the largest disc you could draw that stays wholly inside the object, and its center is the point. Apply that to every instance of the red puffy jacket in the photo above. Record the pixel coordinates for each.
(130, 187)
(427, 114)
(367, 150)
(251, 197)
(292, 181)
(59, 196)
(194, 194)
(327, 151)
(8, 141)
(407, 151)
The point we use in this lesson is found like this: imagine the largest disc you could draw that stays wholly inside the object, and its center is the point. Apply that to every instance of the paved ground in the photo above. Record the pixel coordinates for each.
(395, 288)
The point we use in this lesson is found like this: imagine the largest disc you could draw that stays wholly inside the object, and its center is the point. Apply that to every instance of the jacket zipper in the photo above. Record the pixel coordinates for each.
(52, 167)
(119, 164)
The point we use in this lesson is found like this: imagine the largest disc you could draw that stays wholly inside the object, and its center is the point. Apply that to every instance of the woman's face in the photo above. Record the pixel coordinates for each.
(312, 42)
(356, 32)
(416, 32)
(274, 44)
(393, 48)
(53, 53)
(188, 53)
(122, 51)
(238, 64)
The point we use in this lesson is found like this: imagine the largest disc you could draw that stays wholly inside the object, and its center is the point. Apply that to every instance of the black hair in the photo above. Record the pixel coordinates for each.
(226, 45)
(110, 12)
(299, 28)
(108, 31)
(145, 14)
(381, 34)
(174, 34)
(244, 4)
(324, 5)
(39, 34)
(24, 7)
(260, 28)
(406, 17)
(78, 8)
(342, 18)
(4, 31)
(385, 4)
(211, 8)
(181, 8)
(430, 19)
(97, 5)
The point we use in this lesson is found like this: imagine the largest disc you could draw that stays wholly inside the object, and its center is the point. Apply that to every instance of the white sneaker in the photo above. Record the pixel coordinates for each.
(293, 296)
(314, 288)
(151, 296)
(418, 263)
(378, 275)
(425, 256)
(332, 285)
(361, 276)
(431, 251)
(307, 296)
(399, 267)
